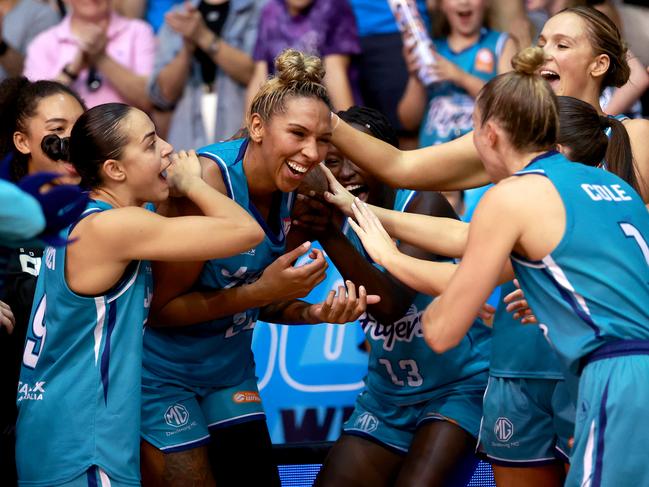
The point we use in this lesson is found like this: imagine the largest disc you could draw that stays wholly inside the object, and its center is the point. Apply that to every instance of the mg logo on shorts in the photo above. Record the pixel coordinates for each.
(176, 415)
(504, 429)
(367, 422)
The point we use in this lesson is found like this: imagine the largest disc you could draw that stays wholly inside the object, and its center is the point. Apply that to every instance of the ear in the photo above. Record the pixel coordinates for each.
(256, 128)
(22, 143)
(492, 132)
(599, 66)
(113, 170)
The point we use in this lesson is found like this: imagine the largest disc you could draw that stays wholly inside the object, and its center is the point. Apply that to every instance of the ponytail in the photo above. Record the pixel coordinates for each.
(619, 158)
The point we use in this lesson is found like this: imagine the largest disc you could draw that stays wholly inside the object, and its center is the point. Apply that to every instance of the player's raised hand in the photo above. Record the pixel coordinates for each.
(337, 194)
(342, 307)
(184, 169)
(378, 244)
(282, 281)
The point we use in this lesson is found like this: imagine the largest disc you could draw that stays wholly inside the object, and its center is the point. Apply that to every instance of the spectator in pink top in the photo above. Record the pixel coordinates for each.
(103, 56)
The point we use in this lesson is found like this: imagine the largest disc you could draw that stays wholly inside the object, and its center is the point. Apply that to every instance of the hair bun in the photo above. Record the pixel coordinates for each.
(529, 60)
(295, 66)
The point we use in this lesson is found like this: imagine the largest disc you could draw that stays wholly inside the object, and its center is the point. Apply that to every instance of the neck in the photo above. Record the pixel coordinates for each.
(515, 160)
(114, 197)
(260, 182)
(459, 41)
(77, 23)
(591, 96)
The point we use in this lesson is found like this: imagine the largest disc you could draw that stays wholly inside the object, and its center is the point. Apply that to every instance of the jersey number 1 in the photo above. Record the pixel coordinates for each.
(632, 232)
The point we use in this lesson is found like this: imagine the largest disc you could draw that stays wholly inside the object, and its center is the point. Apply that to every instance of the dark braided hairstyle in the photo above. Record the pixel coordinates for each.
(19, 99)
(377, 123)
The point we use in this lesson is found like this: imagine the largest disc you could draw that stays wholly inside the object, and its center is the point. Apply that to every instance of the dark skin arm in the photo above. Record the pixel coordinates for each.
(396, 297)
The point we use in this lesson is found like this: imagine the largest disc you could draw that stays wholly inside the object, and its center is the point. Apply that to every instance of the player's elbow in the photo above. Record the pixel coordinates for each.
(438, 337)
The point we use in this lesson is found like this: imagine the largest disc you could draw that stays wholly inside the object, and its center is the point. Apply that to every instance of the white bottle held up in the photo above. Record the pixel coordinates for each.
(412, 29)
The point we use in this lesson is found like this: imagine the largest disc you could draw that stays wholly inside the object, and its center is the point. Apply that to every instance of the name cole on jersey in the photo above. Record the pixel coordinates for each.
(404, 329)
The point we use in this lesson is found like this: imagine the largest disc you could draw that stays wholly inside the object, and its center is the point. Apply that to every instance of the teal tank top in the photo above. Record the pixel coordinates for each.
(79, 391)
(402, 368)
(593, 288)
(449, 111)
(218, 353)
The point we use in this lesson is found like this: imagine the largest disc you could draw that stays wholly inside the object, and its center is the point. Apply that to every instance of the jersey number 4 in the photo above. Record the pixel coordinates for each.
(34, 344)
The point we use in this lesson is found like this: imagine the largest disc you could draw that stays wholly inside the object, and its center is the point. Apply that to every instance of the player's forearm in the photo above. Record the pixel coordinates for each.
(202, 306)
(292, 312)
(131, 86)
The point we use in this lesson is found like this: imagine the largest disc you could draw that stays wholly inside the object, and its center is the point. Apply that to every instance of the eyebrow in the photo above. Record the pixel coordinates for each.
(56, 120)
(150, 134)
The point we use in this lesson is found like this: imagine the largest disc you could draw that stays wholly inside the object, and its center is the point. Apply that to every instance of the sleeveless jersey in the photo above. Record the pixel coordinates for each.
(402, 368)
(218, 353)
(511, 344)
(450, 107)
(79, 390)
(593, 288)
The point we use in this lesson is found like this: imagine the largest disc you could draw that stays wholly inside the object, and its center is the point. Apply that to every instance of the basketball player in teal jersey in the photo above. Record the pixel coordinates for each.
(201, 405)
(418, 417)
(563, 226)
(541, 419)
(79, 392)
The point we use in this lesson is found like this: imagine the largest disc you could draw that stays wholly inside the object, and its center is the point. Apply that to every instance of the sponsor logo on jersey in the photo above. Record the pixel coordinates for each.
(27, 392)
(241, 397)
(240, 277)
(449, 115)
(176, 415)
(250, 252)
(402, 330)
(503, 429)
(484, 61)
(366, 422)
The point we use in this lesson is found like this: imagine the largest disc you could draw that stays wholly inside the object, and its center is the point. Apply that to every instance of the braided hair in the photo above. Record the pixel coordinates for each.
(377, 123)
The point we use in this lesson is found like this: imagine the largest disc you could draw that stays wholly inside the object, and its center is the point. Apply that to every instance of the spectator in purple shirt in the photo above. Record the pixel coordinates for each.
(324, 28)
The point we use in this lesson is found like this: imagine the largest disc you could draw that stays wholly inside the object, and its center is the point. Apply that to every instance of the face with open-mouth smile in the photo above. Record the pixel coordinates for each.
(571, 58)
(464, 16)
(294, 140)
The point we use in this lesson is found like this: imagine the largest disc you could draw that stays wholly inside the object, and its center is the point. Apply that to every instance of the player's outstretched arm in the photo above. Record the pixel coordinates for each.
(449, 166)
(491, 239)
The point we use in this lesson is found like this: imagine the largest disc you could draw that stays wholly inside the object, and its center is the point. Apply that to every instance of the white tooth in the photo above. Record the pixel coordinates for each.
(352, 187)
(297, 167)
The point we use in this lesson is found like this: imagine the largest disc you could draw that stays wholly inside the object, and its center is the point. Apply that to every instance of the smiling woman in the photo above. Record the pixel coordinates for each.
(288, 129)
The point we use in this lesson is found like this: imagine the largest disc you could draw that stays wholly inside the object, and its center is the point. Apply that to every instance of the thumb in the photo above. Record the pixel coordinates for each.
(289, 257)
(373, 299)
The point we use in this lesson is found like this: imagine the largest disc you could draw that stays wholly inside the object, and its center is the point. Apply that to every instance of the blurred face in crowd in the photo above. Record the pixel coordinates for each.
(145, 158)
(297, 6)
(293, 141)
(570, 55)
(91, 9)
(464, 16)
(55, 114)
(353, 178)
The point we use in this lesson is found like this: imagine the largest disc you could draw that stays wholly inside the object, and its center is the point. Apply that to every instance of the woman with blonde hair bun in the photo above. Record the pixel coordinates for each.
(201, 405)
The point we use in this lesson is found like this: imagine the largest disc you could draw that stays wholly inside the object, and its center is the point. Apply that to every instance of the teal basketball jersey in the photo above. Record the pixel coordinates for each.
(402, 368)
(218, 353)
(593, 288)
(449, 111)
(79, 390)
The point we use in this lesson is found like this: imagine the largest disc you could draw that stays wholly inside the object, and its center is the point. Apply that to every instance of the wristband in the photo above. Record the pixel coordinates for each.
(336, 122)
